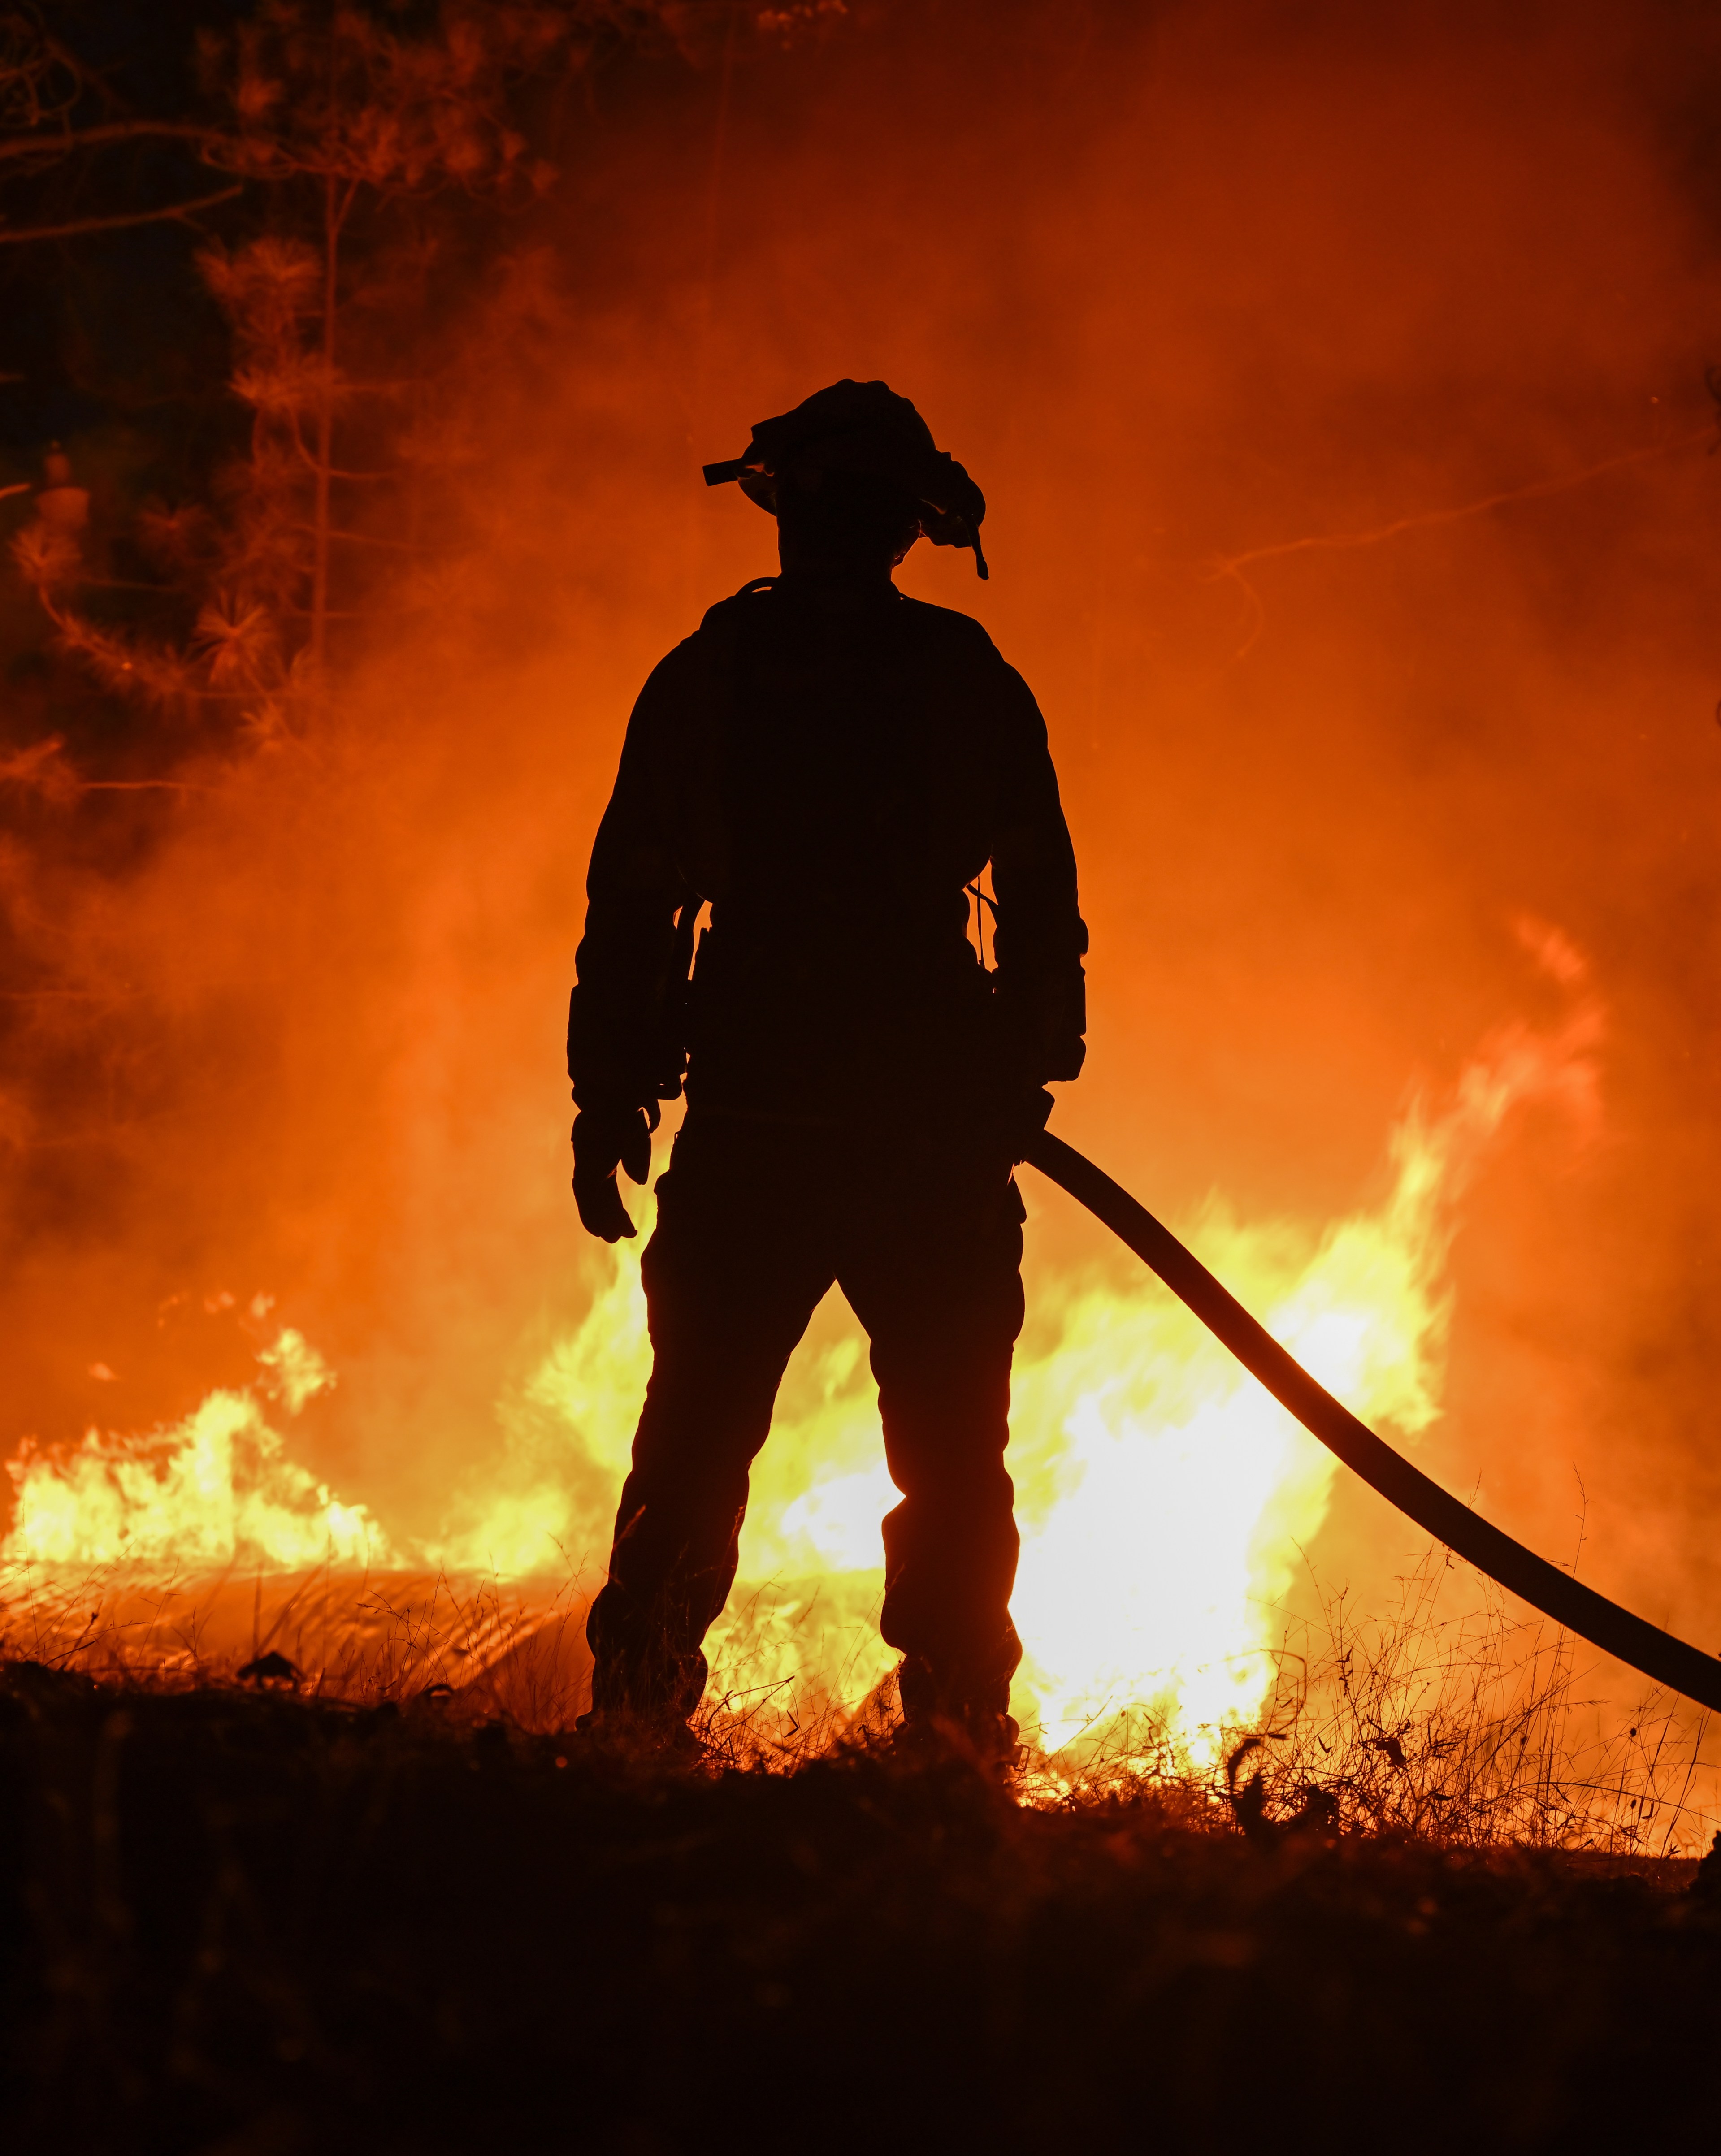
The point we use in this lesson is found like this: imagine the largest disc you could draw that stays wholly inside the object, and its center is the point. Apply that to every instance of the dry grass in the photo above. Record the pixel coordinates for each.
(311, 1865)
(481, 1649)
(1467, 1727)
(253, 1924)
(1476, 1730)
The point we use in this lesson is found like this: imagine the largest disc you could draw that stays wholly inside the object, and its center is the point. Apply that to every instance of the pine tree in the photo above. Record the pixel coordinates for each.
(331, 116)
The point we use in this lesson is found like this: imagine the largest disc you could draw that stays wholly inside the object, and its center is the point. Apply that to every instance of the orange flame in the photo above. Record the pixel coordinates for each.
(204, 1492)
(1164, 1496)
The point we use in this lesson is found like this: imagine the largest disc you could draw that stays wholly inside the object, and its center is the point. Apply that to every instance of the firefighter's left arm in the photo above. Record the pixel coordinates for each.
(1041, 937)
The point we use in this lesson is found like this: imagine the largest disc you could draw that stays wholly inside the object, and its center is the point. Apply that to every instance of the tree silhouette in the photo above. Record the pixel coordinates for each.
(323, 114)
(351, 140)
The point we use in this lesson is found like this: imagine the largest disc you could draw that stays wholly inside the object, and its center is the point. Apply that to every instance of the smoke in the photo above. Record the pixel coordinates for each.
(1183, 289)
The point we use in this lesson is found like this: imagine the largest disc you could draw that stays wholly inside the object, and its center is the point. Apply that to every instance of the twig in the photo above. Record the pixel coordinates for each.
(114, 131)
(177, 210)
(1231, 566)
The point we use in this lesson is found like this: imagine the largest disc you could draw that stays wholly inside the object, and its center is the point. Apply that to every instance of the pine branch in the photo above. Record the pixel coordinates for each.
(114, 131)
(115, 223)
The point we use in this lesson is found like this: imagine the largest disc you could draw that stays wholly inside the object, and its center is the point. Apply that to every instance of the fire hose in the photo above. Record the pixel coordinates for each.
(1630, 1639)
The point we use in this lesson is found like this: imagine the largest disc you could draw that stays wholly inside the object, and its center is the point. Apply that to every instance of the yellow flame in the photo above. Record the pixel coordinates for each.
(204, 1492)
(1162, 1495)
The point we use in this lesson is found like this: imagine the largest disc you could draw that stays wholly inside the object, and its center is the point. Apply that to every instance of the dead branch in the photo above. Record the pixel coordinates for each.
(184, 209)
(69, 139)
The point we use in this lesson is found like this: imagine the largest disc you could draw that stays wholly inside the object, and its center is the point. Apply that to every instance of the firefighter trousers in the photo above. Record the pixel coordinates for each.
(756, 1221)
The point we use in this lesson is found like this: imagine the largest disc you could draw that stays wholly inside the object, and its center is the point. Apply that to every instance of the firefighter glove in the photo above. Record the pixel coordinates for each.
(606, 1139)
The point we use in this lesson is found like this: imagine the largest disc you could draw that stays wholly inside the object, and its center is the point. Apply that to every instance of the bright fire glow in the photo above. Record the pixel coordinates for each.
(1164, 1496)
(209, 1490)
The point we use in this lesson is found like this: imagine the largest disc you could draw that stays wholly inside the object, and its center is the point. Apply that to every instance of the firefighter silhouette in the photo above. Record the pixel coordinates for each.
(831, 765)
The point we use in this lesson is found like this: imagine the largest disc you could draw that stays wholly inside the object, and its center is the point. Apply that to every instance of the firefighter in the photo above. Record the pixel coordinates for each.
(830, 765)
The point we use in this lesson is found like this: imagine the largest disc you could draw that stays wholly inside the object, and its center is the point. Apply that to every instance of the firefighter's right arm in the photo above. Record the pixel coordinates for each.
(616, 1047)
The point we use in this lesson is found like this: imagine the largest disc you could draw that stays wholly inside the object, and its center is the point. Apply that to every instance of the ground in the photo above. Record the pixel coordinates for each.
(243, 1923)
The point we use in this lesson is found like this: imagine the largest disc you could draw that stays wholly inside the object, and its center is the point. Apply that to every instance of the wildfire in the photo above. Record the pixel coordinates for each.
(1164, 1496)
(204, 1492)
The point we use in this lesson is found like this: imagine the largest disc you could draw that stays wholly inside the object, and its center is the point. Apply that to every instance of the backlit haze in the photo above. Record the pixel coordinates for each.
(1396, 830)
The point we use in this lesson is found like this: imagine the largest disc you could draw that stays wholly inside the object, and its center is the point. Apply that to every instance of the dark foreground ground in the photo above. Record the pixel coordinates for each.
(240, 1923)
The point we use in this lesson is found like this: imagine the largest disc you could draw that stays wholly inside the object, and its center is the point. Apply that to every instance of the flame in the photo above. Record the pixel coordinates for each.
(1164, 1496)
(205, 1492)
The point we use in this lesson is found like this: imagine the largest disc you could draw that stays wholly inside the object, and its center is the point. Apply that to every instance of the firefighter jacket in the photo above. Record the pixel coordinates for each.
(830, 782)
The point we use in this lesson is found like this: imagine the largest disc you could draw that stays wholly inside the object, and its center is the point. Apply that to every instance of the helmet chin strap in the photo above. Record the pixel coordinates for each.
(1616, 1631)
